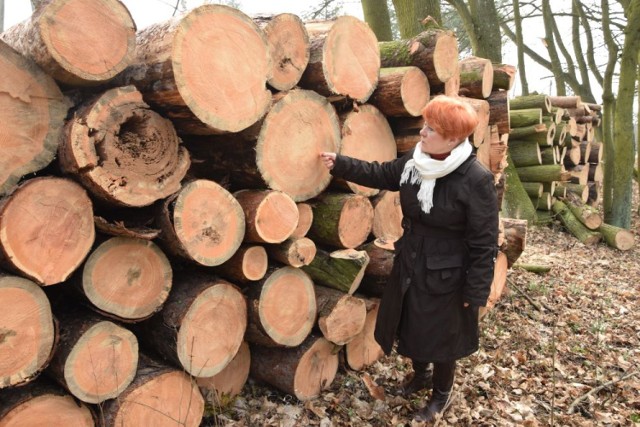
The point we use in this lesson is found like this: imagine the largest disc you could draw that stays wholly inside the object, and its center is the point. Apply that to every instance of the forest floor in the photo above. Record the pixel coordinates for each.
(561, 349)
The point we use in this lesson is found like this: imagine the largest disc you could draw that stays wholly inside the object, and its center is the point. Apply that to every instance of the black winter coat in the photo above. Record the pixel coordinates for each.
(444, 258)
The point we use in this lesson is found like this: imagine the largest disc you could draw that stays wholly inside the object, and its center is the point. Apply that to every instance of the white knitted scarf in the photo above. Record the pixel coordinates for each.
(424, 170)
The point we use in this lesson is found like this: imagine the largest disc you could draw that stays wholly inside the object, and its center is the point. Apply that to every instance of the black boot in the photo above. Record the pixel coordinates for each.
(420, 380)
(443, 376)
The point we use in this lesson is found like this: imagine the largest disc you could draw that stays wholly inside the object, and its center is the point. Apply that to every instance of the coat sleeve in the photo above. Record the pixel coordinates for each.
(482, 239)
(383, 176)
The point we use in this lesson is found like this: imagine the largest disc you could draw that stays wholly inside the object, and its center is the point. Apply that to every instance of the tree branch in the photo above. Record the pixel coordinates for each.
(575, 403)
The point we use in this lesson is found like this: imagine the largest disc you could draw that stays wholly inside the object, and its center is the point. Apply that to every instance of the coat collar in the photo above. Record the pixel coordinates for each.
(464, 167)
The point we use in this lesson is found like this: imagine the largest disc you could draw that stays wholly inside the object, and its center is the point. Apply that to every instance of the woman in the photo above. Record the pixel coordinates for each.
(443, 266)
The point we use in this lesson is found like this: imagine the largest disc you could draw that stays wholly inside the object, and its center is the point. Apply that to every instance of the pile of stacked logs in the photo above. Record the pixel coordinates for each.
(166, 226)
(556, 162)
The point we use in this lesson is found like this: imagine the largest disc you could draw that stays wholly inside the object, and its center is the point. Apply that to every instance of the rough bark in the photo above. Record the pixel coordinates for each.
(499, 110)
(341, 220)
(342, 269)
(476, 77)
(504, 75)
(376, 14)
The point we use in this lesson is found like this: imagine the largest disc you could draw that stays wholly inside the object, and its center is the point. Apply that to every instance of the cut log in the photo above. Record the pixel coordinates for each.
(125, 278)
(33, 111)
(595, 154)
(121, 151)
(363, 350)
(270, 216)
(499, 110)
(406, 143)
(303, 371)
(572, 156)
(574, 226)
(497, 152)
(282, 308)
(387, 216)
(305, 219)
(300, 124)
(533, 268)
(543, 202)
(533, 189)
(201, 326)
(476, 77)
(524, 153)
(559, 192)
(340, 316)
(582, 191)
(616, 237)
(579, 174)
(401, 91)
(515, 239)
(159, 396)
(585, 151)
(288, 43)
(541, 133)
(95, 359)
(516, 203)
(434, 51)
(587, 215)
(191, 70)
(499, 280)
(27, 331)
(504, 75)
(120, 229)
(549, 155)
(345, 58)
(532, 101)
(49, 243)
(293, 252)
(366, 135)
(376, 274)
(595, 173)
(565, 101)
(595, 193)
(341, 220)
(542, 173)
(522, 118)
(39, 403)
(229, 382)
(78, 42)
(342, 270)
(203, 222)
(482, 109)
(248, 263)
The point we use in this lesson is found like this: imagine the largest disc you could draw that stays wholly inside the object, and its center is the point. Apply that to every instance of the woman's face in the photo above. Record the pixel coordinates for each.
(434, 143)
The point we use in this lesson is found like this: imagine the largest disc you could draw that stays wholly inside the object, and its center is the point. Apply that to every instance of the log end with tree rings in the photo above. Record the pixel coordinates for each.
(255, 263)
(345, 321)
(27, 331)
(363, 350)
(122, 151)
(91, 41)
(212, 329)
(298, 127)
(208, 221)
(414, 91)
(287, 308)
(316, 370)
(159, 396)
(229, 382)
(289, 50)
(39, 403)
(127, 278)
(445, 56)
(351, 59)
(224, 86)
(101, 363)
(271, 216)
(387, 216)
(356, 221)
(49, 243)
(32, 114)
(366, 135)
(305, 219)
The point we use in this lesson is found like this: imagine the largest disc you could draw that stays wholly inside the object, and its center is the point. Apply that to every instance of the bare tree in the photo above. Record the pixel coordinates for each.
(376, 14)
(1, 16)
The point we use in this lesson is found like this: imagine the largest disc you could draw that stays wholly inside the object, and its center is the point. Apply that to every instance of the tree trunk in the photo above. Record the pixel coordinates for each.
(158, 396)
(401, 91)
(303, 371)
(363, 350)
(434, 51)
(270, 216)
(229, 382)
(476, 77)
(32, 115)
(200, 92)
(340, 316)
(300, 124)
(387, 216)
(282, 308)
(41, 402)
(342, 270)
(28, 332)
(345, 59)
(78, 42)
(376, 14)
(49, 243)
(616, 237)
(574, 226)
(95, 359)
(411, 13)
(249, 263)
(305, 219)
(504, 75)
(341, 220)
(203, 223)
(366, 135)
(201, 326)
(121, 151)
(293, 252)
(288, 44)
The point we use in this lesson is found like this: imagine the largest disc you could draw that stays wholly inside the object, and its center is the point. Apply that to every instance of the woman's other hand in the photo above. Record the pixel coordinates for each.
(329, 159)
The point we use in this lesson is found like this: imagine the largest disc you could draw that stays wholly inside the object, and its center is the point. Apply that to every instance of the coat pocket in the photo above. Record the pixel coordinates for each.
(445, 273)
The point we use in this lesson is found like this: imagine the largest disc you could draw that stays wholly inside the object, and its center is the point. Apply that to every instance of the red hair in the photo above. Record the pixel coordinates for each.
(450, 117)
